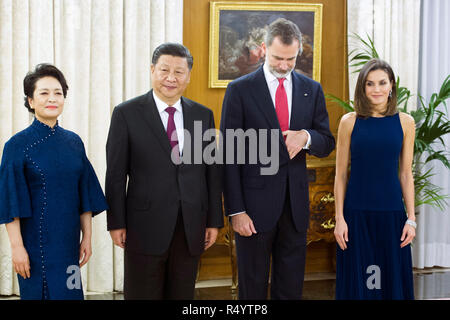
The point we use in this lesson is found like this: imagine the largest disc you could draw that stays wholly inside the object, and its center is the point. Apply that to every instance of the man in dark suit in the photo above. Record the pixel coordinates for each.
(170, 212)
(270, 212)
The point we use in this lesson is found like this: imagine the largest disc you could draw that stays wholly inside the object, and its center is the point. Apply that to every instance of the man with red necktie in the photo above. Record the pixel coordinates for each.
(270, 213)
(171, 210)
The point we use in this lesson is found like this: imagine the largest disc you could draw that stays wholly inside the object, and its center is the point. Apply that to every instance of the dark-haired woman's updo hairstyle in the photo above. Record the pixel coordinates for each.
(42, 70)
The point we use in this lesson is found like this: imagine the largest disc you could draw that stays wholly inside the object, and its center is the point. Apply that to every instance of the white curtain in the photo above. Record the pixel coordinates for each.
(432, 243)
(394, 27)
(104, 48)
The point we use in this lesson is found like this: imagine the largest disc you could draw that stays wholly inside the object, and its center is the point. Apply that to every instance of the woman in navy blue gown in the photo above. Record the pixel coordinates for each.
(49, 193)
(373, 229)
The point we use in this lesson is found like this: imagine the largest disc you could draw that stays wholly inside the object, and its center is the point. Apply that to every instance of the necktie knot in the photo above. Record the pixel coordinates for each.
(280, 81)
(171, 110)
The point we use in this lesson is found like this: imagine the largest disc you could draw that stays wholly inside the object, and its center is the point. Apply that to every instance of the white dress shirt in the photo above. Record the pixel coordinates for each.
(272, 83)
(177, 117)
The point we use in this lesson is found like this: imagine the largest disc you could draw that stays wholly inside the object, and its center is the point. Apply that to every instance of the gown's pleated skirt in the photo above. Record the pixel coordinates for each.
(374, 267)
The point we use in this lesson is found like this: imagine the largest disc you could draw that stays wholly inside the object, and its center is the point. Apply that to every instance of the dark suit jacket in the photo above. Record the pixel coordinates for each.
(247, 104)
(138, 149)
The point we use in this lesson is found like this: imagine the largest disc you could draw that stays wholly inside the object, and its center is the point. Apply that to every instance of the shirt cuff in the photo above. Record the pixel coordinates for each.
(308, 143)
(235, 214)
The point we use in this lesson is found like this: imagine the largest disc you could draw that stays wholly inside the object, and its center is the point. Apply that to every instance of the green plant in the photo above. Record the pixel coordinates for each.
(431, 125)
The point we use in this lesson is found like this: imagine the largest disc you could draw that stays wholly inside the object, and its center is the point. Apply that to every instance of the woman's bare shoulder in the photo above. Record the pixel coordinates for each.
(407, 118)
(407, 121)
(348, 121)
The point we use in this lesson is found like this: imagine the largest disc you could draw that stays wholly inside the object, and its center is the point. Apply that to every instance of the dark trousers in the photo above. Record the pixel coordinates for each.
(286, 246)
(170, 276)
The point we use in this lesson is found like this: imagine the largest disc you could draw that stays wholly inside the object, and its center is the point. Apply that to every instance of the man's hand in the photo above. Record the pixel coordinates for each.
(295, 141)
(243, 225)
(119, 237)
(210, 237)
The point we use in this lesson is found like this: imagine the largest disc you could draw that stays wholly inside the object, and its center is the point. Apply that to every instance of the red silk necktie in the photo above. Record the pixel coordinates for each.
(281, 106)
(172, 131)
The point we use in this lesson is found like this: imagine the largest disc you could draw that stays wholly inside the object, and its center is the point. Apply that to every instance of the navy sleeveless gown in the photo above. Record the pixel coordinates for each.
(374, 266)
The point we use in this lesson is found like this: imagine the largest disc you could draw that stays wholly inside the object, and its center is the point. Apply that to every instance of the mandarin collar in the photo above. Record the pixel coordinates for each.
(42, 128)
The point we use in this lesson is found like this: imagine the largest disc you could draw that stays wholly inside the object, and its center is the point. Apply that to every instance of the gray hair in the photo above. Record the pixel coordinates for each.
(286, 30)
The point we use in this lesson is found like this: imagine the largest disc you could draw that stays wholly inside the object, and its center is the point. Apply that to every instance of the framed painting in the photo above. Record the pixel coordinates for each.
(237, 30)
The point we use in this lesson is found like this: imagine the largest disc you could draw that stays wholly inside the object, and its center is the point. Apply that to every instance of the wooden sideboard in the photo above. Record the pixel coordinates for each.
(321, 200)
(220, 260)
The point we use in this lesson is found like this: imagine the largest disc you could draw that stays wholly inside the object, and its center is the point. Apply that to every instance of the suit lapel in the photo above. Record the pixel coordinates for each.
(301, 96)
(188, 124)
(151, 115)
(261, 93)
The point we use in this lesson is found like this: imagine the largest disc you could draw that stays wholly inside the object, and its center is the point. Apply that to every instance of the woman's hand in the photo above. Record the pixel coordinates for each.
(408, 235)
(21, 262)
(20, 259)
(85, 245)
(341, 233)
(85, 251)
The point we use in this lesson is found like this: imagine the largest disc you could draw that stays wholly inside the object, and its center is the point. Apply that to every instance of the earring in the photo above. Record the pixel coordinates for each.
(390, 94)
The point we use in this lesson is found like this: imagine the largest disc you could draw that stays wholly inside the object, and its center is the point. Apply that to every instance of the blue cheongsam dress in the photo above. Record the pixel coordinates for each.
(374, 267)
(47, 181)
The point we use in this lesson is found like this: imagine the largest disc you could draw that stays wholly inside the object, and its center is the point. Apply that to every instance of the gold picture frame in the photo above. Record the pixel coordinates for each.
(238, 28)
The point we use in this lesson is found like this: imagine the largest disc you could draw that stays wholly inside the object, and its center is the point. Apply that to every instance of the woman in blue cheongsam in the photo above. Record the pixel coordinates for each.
(49, 193)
